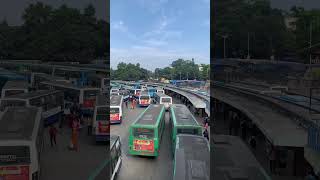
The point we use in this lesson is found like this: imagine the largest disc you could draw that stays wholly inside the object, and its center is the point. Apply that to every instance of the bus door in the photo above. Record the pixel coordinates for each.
(15, 163)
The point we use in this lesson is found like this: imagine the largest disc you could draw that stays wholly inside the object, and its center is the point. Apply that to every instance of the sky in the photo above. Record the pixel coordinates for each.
(12, 10)
(154, 33)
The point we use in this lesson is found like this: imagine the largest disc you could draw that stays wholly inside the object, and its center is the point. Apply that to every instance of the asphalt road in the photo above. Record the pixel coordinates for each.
(144, 168)
(60, 163)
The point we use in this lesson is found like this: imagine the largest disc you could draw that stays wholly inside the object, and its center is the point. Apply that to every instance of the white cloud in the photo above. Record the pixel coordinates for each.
(155, 42)
(119, 25)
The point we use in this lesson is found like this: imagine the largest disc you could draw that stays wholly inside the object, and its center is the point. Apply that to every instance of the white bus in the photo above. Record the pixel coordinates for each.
(144, 99)
(116, 109)
(115, 152)
(84, 96)
(161, 98)
(21, 143)
(14, 87)
(114, 90)
(50, 101)
(101, 123)
(160, 90)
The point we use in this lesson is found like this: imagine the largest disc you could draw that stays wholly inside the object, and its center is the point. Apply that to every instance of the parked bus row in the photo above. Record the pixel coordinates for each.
(83, 96)
(51, 102)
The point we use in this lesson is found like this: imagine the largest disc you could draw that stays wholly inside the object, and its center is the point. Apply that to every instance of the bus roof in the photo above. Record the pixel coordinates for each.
(63, 84)
(192, 158)
(162, 95)
(16, 84)
(32, 94)
(144, 93)
(18, 123)
(150, 115)
(183, 116)
(102, 100)
(115, 100)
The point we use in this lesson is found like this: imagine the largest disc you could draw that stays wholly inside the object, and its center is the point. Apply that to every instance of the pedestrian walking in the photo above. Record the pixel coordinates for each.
(131, 103)
(134, 103)
(253, 142)
(74, 135)
(126, 102)
(244, 129)
(205, 121)
(53, 135)
(89, 125)
(310, 175)
(206, 134)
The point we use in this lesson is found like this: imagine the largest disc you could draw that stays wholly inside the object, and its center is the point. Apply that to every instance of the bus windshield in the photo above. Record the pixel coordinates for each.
(143, 133)
(13, 92)
(144, 97)
(114, 110)
(90, 94)
(102, 114)
(188, 131)
(9, 103)
(166, 100)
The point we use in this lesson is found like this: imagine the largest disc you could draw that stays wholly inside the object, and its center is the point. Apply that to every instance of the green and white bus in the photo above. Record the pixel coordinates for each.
(182, 122)
(191, 158)
(146, 132)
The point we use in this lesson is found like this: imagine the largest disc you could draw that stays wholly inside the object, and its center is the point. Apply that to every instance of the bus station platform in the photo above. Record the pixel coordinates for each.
(196, 101)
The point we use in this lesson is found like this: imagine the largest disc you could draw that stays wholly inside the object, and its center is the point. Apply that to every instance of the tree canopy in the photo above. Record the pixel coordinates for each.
(129, 72)
(264, 28)
(61, 34)
(187, 68)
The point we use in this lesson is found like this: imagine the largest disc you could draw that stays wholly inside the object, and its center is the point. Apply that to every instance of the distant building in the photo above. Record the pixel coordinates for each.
(200, 67)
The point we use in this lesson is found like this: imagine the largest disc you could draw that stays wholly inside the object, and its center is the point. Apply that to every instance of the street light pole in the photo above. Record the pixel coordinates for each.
(224, 45)
(310, 44)
(225, 36)
(248, 56)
